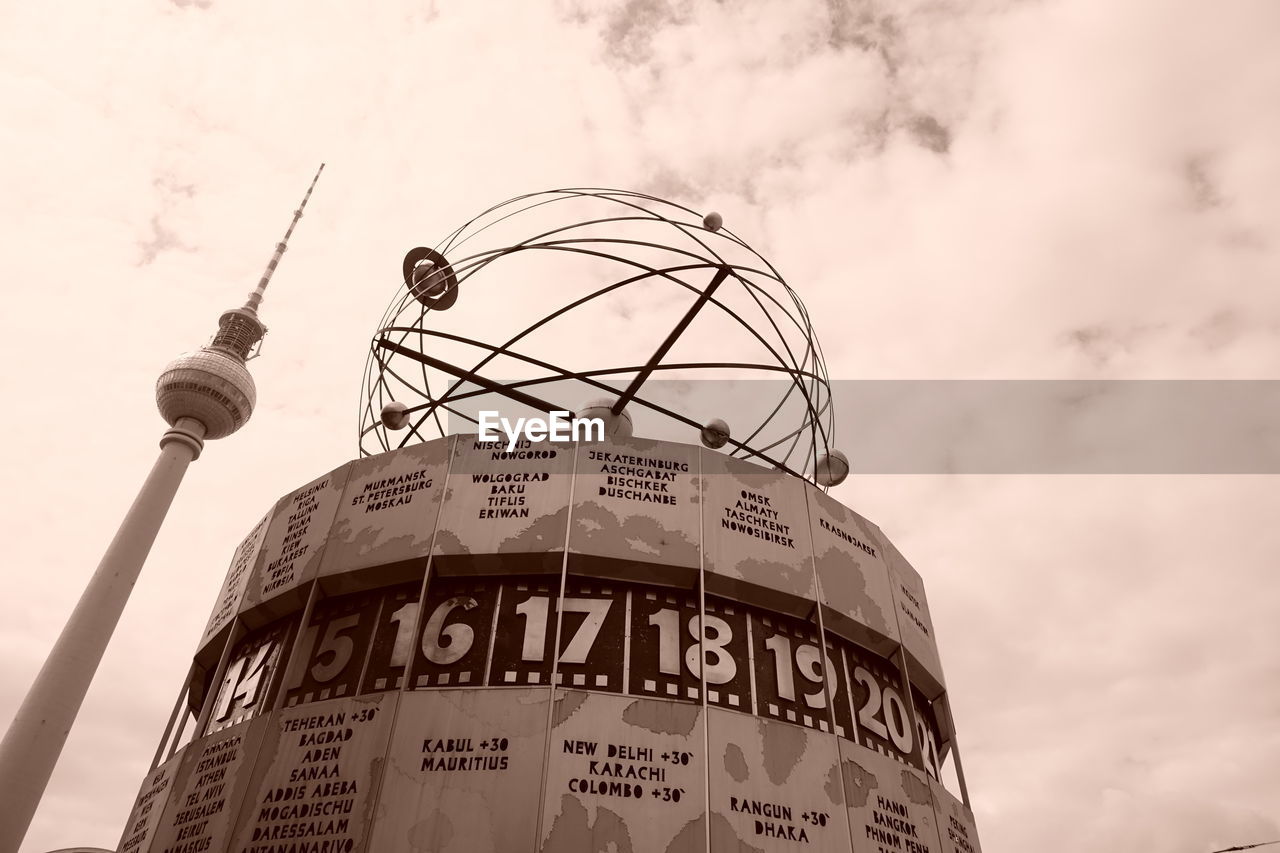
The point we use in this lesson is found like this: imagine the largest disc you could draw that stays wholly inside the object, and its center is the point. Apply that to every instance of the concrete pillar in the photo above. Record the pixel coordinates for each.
(35, 737)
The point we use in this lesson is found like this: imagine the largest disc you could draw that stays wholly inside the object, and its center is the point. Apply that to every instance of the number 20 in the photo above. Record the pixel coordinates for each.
(895, 712)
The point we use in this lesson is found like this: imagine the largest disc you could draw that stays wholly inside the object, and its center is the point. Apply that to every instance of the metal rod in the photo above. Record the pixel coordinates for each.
(475, 379)
(582, 376)
(912, 720)
(296, 661)
(255, 298)
(662, 350)
(945, 701)
(166, 739)
(35, 738)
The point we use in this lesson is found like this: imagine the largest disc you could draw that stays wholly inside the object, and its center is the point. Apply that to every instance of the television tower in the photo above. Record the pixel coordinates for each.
(204, 395)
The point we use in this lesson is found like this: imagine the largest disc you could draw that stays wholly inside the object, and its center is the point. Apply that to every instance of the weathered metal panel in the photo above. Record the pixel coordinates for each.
(624, 774)
(464, 771)
(454, 633)
(635, 513)
(955, 822)
(853, 575)
(208, 789)
(234, 584)
(388, 509)
(756, 545)
(148, 807)
(914, 622)
(934, 737)
(294, 542)
(773, 786)
(317, 771)
(890, 804)
(505, 511)
(593, 628)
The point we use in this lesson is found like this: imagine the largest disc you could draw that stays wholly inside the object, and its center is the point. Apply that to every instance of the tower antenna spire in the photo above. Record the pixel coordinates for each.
(255, 298)
(240, 330)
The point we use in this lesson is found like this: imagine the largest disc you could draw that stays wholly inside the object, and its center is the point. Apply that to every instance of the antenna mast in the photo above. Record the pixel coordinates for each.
(255, 298)
(239, 329)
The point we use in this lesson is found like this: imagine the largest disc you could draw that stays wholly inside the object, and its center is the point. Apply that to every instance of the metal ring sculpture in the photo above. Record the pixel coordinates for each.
(606, 256)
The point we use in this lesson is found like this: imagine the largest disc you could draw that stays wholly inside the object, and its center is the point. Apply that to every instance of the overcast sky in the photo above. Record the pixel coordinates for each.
(1034, 190)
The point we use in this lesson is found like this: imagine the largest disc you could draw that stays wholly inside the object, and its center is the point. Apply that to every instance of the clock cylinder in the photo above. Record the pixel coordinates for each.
(623, 644)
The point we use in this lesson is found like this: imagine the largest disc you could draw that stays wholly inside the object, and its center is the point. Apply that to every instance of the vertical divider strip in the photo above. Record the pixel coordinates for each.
(235, 635)
(292, 663)
(908, 700)
(945, 699)
(250, 759)
(373, 636)
(702, 655)
(828, 666)
(555, 649)
(626, 644)
(493, 634)
(853, 709)
(376, 794)
(182, 728)
(173, 716)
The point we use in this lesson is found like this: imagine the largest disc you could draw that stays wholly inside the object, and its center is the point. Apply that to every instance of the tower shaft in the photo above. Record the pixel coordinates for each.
(36, 736)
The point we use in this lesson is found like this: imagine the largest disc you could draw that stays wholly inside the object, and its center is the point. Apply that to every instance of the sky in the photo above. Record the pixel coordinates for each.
(958, 190)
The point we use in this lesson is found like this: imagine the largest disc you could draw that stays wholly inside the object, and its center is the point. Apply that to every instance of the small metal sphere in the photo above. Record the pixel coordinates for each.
(210, 386)
(713, 221)
(715, 434)
(395, 415)
(615, 426)
(429, 280)
(831, 469)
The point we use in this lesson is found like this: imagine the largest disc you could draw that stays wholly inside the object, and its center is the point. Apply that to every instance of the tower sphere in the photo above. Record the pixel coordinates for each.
(715, 434)
(395, 415)
(209, 386)
(615, 426)
(429, 280)
(832, 469)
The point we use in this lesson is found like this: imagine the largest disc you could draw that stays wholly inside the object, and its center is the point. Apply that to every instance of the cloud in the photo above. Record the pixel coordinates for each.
(958, 190)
